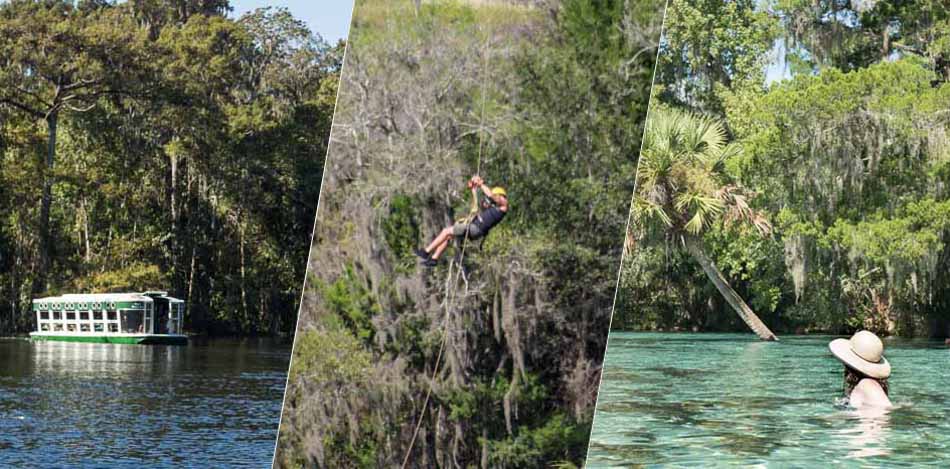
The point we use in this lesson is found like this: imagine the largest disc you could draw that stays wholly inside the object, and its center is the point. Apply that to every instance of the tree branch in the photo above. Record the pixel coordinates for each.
(33, 95)
(78, 109)
(23, 107)
(82, 83)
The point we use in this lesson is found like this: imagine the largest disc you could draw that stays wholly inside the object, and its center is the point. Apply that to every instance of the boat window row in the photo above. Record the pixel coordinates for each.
(126, 321)
(164, 320)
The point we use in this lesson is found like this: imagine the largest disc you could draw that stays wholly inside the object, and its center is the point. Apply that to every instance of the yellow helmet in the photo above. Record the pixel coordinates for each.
(498, 190)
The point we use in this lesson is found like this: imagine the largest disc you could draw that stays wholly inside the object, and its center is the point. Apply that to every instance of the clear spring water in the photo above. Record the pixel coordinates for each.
(716, 400)
(103, 405)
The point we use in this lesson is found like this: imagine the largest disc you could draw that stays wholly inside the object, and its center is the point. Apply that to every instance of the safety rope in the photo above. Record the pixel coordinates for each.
(459, 268)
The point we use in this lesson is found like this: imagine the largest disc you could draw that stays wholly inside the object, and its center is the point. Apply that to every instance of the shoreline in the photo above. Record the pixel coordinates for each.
(197, 339)
(945, 339)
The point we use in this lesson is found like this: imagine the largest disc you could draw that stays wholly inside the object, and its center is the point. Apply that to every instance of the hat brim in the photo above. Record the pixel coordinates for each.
(841, 349)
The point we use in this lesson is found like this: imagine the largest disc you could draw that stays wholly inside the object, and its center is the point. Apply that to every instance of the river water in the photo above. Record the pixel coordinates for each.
(717, 400)
(95, 405)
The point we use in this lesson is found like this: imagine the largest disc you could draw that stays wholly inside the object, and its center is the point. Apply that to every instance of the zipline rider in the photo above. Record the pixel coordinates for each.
(485, 216)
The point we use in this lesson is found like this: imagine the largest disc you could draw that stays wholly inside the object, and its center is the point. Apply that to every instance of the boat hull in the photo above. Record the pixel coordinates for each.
(132, 339)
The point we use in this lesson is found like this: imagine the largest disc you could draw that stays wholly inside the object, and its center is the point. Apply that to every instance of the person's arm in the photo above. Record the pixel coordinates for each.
(474, 209)
(499, 200)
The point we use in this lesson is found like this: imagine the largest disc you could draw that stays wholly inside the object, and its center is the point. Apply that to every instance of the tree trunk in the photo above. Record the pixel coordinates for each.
(244, 313)
(886, 43)
(47, 200)
(85, 225)
(191, 284)
(484, 460)
(695, 248)
(172, 187)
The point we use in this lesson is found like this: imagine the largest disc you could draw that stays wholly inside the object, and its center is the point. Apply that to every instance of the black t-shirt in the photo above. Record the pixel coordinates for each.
(488, 218)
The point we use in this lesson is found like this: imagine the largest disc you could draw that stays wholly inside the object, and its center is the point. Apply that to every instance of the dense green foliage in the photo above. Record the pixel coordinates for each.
(564, 87)
(847, 156)
(161, 145)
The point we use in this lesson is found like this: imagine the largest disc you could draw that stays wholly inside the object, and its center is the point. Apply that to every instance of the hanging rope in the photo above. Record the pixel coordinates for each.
(481, 113)
(461, 259)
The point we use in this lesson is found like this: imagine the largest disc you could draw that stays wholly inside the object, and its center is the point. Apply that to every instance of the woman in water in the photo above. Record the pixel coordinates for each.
(865, 369)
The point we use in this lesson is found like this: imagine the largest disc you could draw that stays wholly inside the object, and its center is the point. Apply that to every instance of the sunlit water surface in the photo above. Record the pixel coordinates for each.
(716, 400)
(104, 405)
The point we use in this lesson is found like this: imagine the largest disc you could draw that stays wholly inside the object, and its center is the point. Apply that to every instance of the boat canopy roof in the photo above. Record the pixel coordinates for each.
(72, 298)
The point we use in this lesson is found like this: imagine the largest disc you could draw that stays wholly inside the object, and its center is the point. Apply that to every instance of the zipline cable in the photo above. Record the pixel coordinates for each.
(461, 259)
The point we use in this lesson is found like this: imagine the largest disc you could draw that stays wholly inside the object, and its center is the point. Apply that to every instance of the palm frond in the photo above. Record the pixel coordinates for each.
(645, 210)
(695, 224)
(682, 179)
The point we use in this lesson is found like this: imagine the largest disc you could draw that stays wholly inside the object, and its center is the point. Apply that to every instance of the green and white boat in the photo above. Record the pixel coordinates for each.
(151, 317)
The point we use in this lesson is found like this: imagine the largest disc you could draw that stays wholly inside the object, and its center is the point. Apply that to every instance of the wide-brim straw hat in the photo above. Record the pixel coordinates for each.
(863, 352)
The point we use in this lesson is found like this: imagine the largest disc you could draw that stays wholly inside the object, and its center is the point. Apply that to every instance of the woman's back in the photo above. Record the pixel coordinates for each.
(869, 393)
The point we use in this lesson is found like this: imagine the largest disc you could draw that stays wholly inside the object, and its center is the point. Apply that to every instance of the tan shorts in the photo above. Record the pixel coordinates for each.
(458, 230)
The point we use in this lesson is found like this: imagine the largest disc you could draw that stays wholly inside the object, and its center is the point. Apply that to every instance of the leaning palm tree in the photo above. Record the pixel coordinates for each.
(681, 184)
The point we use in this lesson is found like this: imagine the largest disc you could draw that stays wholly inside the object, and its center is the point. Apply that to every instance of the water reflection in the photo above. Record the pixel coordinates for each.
(112, 360)
(867, 434)
(75, 404)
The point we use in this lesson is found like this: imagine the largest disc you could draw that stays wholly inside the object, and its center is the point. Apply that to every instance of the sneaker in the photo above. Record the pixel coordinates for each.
(421, 253)
(430, 262)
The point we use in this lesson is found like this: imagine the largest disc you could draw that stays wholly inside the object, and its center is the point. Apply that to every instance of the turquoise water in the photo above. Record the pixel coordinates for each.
(74, 405)
(716, 400)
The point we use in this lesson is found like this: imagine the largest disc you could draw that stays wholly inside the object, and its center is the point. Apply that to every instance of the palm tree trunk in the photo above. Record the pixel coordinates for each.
(695, 248)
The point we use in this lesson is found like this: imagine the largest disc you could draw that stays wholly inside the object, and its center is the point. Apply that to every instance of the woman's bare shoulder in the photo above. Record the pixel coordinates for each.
(869, 392)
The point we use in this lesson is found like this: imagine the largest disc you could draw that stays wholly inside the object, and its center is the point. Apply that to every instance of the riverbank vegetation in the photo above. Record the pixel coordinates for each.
(161, 145)
(544, 98)
(838, 115)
